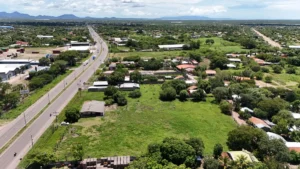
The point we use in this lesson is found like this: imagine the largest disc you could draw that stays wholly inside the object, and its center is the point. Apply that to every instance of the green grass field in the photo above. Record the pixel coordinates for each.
(158, 55)
(222, 45)
(129, 129)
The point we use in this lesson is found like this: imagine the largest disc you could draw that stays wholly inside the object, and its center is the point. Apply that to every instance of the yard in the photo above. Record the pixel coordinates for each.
(128, 130)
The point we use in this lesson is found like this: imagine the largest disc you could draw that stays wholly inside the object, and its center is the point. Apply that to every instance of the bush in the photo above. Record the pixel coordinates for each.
(226, 107)
(268, 79)
(168, 94)
(135, 94)
(244, 115)
(199, 95)
(121, 100)
(260, 114)
(291, 70)
(277, 69)
(183, 95)
(110, 91)
(109, 102)
(72, 115)
(265, 69)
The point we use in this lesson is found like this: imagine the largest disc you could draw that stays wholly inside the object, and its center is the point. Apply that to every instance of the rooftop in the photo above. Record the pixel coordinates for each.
(93, 106)
(210, 72)
(236, 154)
(79, 48)
(171, 46)
(100, 83)
(185, 66)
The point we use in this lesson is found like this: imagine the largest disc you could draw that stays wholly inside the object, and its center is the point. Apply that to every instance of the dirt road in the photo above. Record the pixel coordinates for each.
(267, 39)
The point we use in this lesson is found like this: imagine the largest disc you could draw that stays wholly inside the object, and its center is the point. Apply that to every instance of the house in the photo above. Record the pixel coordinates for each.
(171, 47)
(235, 155)
(294, 47)
(44, 36)
(9, 70)
(275, 136)
(118, 162)
(230, 65)
(79, 46)
(21, 43)
(127, 79)
(183, 67)
(129, 86)
(241, 78)
(232, 55)
(98, 86)
(112, 66)
(92, 109)
(210, 72)
(258, 123)
(269, 123)
(180, 77)
(234, 60)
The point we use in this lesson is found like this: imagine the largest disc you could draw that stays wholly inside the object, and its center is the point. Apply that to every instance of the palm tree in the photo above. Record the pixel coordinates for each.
(241, 163)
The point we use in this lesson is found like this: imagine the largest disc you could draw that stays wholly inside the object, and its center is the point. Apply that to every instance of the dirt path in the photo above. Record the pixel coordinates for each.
(267, 39)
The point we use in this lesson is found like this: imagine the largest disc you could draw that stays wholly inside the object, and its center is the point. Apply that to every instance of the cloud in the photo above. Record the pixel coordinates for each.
(205, 10)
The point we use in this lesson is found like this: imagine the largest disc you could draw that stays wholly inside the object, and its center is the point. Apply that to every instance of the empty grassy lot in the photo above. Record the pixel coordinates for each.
(129, 129)
(222, 45)
(158, 55)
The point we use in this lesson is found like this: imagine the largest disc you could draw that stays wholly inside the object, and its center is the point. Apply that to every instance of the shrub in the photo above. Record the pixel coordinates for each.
(109, 102)
(268, 79)
(72, 115)
(135, 94)
(244, 115)
(183, 95)
(226, 107)
(265, 69)
(277, 69)
(168, 94)
(121, 100)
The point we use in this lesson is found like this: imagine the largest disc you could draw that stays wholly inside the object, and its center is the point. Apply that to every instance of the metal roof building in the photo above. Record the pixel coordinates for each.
(92, 108)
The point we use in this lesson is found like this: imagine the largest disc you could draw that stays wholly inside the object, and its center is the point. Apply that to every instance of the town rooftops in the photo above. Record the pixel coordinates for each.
(180, 67)
(5, 68)
(275, 136)
(259, 123)
(170, 46)
(210, 72)
(234, 60)
(100, 83)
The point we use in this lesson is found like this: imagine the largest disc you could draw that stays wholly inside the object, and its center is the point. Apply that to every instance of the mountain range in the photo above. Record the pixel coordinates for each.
(17, 15)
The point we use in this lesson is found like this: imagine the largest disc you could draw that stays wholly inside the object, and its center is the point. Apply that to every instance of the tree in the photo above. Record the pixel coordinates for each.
(241, 162)
(69, 56)
(44, 62)
(168, 94)
(199, 95)
(11, 100)
(290, 96)
(197, 145)
(116, 77)
(135, 94)
(218, 62)
(72, 115)
(272, 106)
(281, 127)
(120, 99)
(296, 106)
(211, 163)
(221, 93)
(40, 158)
(218, 149)
(183, 95)
(226, 107)
(110, 91)
(245, 137)
(291, 70)
(215, 82)
(77, 151)
(176, 151)
(273, 148)
(136, 76)
(209, 41)
(178, 85)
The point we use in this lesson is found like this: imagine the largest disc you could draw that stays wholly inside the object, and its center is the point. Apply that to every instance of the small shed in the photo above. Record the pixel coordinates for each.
(112, 66)
(92, 109)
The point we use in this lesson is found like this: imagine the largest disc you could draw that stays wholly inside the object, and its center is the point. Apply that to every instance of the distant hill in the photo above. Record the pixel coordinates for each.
(190, 18)
(17, 15)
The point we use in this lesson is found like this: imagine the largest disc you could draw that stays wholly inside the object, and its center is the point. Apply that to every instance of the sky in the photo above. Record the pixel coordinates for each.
(235, 9)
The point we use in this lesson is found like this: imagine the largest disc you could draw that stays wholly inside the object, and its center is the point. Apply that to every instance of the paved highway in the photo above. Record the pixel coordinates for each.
(25, 141)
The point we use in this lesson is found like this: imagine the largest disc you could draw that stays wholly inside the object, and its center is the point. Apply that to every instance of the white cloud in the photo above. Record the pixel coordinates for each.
(205, 10)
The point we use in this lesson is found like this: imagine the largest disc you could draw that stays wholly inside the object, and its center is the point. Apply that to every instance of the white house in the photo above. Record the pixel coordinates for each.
(171, 47)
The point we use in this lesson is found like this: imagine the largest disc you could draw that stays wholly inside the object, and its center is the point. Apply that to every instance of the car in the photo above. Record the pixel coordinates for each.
(64, 123)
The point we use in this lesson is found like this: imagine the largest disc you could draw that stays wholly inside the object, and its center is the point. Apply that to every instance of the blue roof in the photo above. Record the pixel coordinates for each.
(7, 27)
